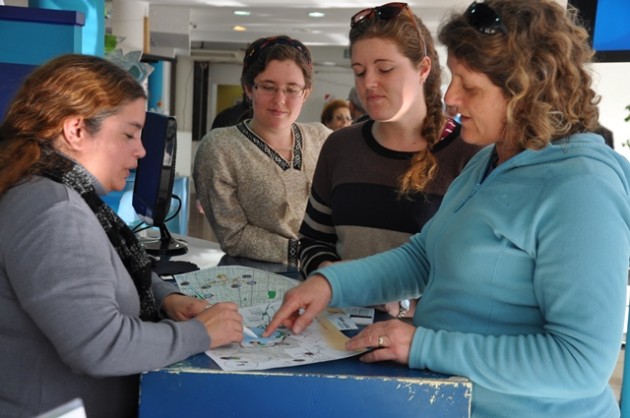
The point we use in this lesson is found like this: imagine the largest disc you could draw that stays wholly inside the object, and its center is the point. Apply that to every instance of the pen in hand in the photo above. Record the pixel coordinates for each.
(249, 332)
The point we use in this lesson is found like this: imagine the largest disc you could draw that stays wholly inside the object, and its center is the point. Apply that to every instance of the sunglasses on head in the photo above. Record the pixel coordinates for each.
(386, 12)
(483, 18)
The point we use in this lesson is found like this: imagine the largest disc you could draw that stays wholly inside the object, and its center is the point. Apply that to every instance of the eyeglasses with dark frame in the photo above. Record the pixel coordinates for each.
(483, 18)
(386, 12)
(270, 90)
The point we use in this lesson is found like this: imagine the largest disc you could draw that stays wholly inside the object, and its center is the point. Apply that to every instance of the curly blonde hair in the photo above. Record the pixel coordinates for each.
(540, 63)
(415, 42)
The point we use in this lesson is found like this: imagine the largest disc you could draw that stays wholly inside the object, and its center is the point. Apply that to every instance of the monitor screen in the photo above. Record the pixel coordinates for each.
(155, 174)
(153, 186)
(607, 23)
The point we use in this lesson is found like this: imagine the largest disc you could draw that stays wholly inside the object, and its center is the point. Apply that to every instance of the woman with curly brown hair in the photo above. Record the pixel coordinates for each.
(524, 267)
(379, 181)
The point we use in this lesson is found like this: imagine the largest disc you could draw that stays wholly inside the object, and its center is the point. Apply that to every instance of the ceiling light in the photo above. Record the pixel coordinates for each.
(239, 28)
(241, 13)
(316, 14)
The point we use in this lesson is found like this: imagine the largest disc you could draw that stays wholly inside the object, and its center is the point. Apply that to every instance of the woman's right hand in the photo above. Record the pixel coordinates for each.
(301, 305)
(223, 323)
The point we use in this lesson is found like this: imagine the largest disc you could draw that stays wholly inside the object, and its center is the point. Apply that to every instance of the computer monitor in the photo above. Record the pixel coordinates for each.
(607, 23)
(153, 187)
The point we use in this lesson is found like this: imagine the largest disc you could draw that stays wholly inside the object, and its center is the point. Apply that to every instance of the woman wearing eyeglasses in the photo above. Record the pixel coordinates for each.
(253, 179)
(336, 114)
(524, 267)
(379, 181)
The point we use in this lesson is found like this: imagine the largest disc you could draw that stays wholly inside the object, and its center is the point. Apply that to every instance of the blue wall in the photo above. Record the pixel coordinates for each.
(31, 37)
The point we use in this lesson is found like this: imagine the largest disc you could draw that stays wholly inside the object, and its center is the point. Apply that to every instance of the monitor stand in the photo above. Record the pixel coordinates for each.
(165, 245)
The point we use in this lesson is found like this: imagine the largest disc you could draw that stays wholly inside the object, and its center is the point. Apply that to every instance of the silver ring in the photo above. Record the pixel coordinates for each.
(381, 342)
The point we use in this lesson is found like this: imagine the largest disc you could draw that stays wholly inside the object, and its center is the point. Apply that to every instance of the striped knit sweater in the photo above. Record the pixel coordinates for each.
(354, 209)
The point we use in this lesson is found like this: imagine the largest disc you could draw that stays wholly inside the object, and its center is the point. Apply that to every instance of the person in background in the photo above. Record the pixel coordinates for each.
(234, 114)
(523, 282)
(253, 179)
(379, 181)
(606, 134)
(336, 114)
(356, 107)
(81, 312)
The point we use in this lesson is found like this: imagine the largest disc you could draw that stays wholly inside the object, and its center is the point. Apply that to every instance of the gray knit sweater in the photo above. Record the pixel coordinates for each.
(69, 324)
(254, 199)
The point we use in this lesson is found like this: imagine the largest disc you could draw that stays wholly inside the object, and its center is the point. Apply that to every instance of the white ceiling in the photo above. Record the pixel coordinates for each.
(205, 26)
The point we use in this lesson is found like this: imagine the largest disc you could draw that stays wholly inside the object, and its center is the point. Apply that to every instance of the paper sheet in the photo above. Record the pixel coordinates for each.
(259, 294)
(321, 341)
(246, 286)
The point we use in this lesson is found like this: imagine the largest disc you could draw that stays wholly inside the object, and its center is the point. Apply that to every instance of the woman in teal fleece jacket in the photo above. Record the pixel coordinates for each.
(523, 269)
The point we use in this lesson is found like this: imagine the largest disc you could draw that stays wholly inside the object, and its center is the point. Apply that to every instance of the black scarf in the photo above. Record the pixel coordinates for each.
(63, 170)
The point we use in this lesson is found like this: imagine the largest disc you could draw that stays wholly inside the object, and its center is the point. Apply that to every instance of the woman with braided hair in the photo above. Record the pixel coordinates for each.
(379, 181)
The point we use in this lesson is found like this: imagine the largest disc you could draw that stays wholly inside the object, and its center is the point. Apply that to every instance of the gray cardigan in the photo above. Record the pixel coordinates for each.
(69, 311)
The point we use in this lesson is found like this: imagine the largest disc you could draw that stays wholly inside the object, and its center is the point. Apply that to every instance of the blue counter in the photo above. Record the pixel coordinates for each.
(340, 388)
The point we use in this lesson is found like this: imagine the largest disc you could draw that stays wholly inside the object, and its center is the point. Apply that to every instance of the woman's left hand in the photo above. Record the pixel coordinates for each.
(389, 340)
(181, 307)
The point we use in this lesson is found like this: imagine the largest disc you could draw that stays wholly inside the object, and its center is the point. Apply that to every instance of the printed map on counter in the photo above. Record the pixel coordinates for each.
(245, 286)
(321, 341)
(259, 294)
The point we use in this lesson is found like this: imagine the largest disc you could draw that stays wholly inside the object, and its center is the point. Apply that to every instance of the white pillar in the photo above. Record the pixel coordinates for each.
(128, 21)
